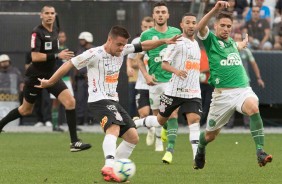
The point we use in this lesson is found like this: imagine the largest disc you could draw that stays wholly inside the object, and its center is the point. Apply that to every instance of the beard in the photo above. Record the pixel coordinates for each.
(160, 24)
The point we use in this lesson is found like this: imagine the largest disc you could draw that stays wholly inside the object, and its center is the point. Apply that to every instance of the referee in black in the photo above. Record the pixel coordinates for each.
(44, 52)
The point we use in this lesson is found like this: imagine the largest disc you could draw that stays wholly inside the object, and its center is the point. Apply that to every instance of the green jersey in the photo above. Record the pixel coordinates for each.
(156, 55)
(226, 68)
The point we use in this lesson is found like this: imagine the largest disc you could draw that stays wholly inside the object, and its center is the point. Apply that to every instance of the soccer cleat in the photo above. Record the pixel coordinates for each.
(109, 175)
(164, 135)
(150, 136)
(199, 162)
(167, 159)
(159, 145)
(79, 146)
(263, 158)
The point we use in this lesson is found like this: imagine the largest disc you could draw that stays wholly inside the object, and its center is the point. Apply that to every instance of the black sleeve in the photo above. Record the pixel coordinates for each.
(138, 47)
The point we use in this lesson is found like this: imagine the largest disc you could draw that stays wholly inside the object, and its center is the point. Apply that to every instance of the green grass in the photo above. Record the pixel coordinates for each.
(32, 158)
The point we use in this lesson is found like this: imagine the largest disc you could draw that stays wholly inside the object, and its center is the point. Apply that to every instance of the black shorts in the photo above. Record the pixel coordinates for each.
(142, 98)
(30, 92)
(109, 112)
(169, 104)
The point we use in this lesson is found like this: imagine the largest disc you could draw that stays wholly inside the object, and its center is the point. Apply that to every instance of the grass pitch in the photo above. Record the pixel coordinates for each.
(33, 158)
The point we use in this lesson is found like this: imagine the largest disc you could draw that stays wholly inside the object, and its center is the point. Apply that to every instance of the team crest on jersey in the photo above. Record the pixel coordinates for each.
(212, 123)
(104, 121)
(217, 80)
(48, 45)
(221, 44)
(155, 38)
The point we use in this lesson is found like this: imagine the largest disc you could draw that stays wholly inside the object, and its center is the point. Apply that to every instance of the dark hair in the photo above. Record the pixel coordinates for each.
(159, 3)
(224, 14)
(46, 6)
(148, 19)
(188, 14)
(119, 31)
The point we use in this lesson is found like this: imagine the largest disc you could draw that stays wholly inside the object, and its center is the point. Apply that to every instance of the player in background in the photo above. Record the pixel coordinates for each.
(232, 90)
(103, 66)
(157, 78)
(183, 90)
(142, 97)
(44, 52)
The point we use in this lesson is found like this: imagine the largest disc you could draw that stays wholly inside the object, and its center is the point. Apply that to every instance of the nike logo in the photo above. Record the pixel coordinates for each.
(200, 110)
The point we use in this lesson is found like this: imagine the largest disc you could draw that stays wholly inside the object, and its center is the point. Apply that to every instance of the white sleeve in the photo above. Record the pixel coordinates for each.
(134, 41)
(84, 59)
(205, 36)
(170, 53)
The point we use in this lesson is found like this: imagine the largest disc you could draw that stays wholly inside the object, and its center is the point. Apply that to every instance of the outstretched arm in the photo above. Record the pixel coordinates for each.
(202, 25)
(151, 44)
(44, 83)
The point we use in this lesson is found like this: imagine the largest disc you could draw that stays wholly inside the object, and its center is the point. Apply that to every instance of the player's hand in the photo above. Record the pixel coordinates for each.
(221, 5)
(261, 83)
(66, 54)
(173, 40)
(243, 44)
(44, 83)
(130, 71)
(151, 80)
(181, 74)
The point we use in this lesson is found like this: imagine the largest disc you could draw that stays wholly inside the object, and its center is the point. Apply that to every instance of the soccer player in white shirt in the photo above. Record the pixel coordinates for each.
(183, 60)
(103, 65)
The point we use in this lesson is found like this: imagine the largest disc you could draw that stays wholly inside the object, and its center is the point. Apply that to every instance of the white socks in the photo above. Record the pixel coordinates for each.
(150, 121)
(194, 137)
(109, 148)
(124, 150)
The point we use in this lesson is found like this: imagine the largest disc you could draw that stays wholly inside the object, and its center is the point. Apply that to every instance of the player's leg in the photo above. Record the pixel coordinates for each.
(60, 91)
(250, 108)
(30, 94)
(219, 114)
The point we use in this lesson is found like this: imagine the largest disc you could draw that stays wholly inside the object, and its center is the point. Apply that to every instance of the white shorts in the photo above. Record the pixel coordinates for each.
(155, 93)
(224, 104)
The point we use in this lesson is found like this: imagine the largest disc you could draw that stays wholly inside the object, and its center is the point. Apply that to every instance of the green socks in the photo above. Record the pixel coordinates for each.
(172, 128)
(202, 143)
(256, 127)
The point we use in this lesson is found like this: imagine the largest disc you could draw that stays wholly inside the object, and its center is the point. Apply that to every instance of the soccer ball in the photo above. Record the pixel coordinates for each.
(124, 169)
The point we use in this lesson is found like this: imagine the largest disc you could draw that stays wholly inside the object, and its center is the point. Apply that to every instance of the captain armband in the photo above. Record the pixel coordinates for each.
(138, 47)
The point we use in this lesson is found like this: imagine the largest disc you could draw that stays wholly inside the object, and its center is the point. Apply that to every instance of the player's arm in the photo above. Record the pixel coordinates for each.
(67, 66)
(151, 44)
(202, 25)
(180, 73)
(150, 80)
(243, 44)
(42, 57)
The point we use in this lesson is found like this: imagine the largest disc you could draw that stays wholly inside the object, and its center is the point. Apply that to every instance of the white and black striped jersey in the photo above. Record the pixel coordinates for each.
(184, 55)
(102, 71)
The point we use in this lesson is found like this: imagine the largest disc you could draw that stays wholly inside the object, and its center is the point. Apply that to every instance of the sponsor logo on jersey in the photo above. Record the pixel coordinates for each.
(166, 100)
(232, 59)
(33, 39)
(32, 94)
(47, 36)
(190, 65)
(161, 55)
(111, 77)
(104, 121)
(48, 45)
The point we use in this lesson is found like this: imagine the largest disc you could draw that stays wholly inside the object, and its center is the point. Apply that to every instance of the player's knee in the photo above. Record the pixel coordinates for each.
(69, 103)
